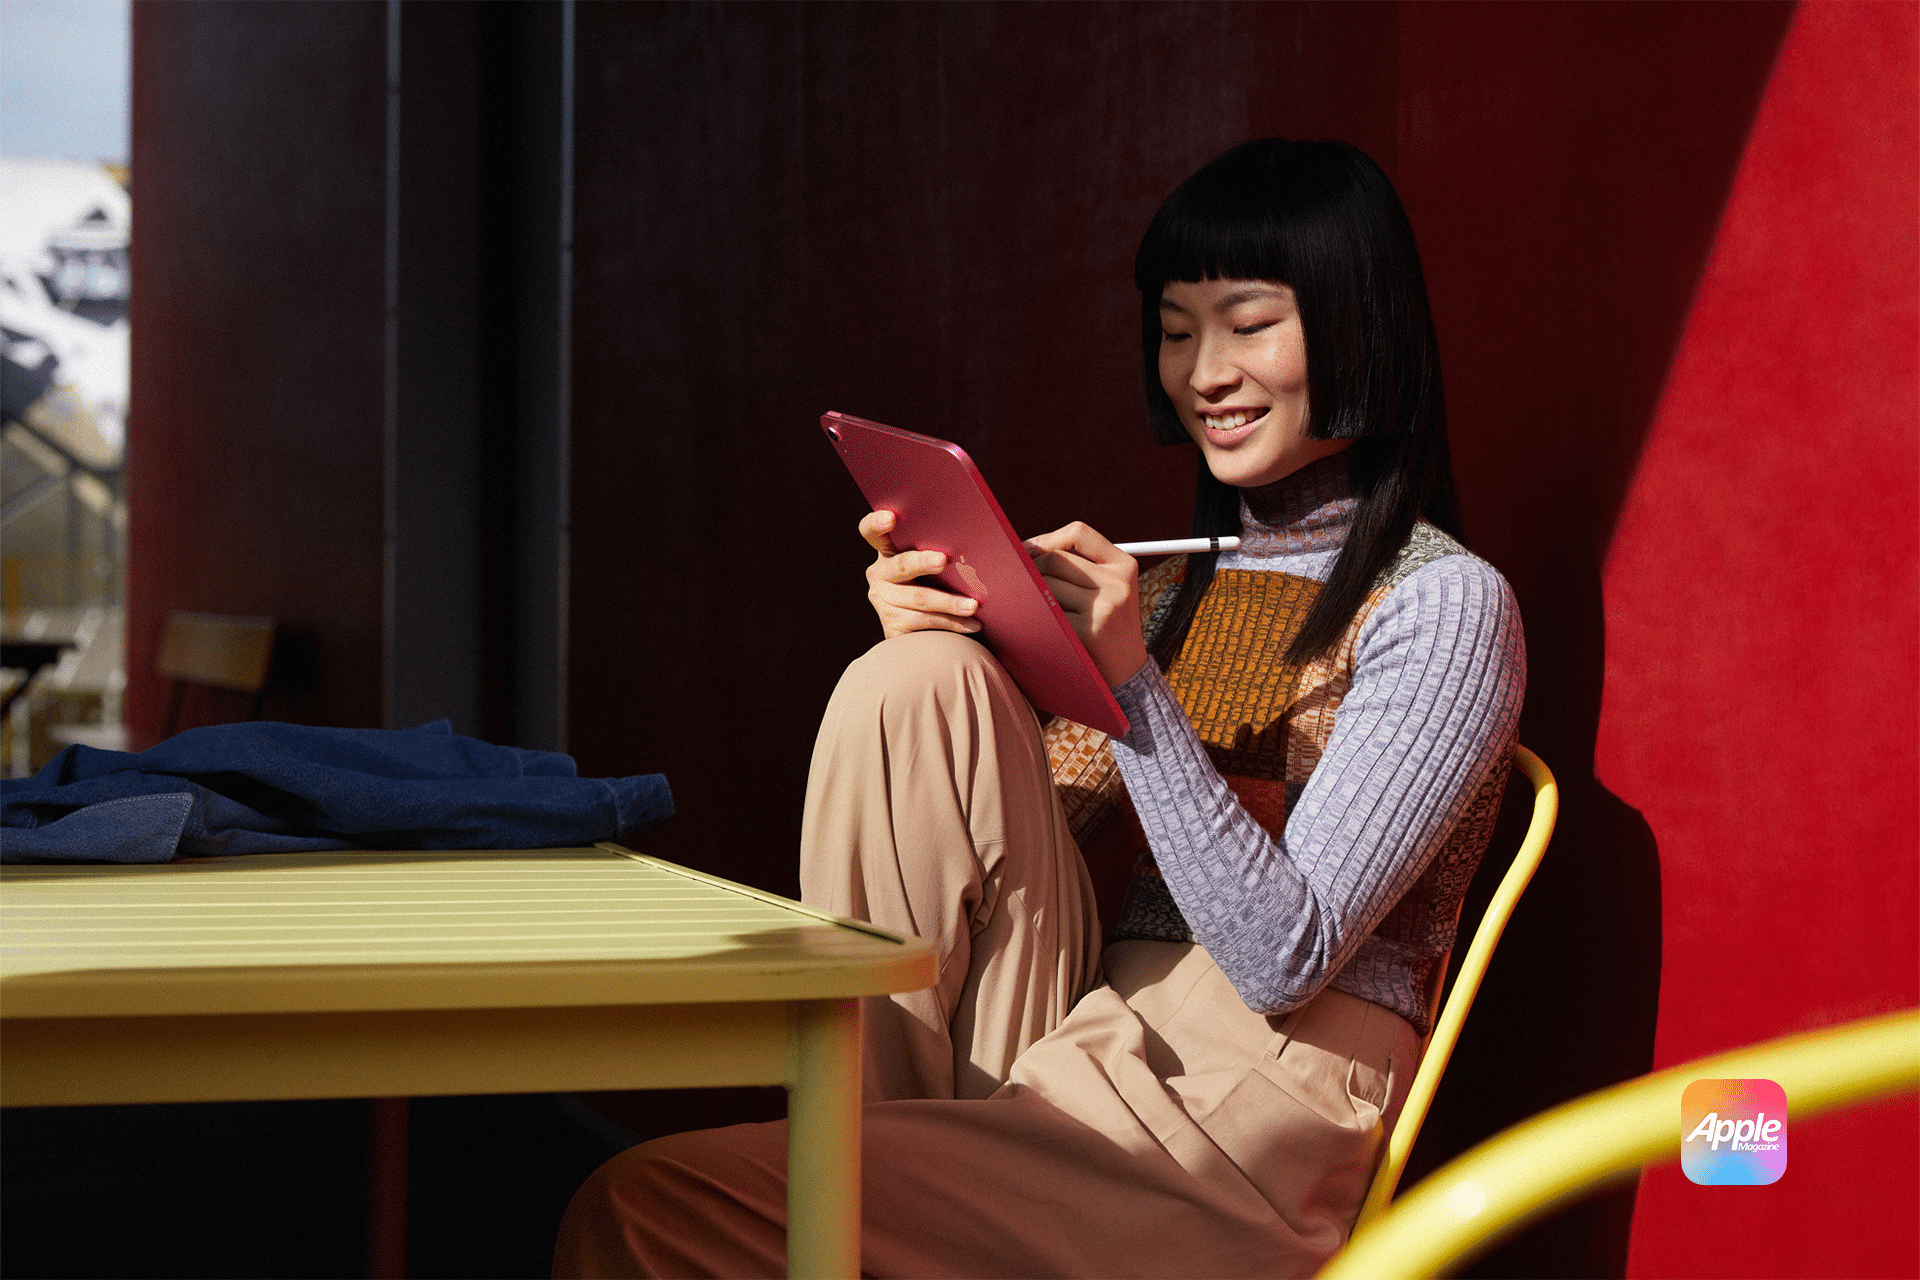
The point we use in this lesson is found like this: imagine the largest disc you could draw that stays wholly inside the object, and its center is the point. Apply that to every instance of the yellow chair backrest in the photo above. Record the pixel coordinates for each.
(1446, 1027)
(1525, 1171)
(207, 648)
(218, 650)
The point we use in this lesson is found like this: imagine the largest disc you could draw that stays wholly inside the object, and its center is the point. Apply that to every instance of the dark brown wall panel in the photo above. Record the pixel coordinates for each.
(254, 460)
(920, 213)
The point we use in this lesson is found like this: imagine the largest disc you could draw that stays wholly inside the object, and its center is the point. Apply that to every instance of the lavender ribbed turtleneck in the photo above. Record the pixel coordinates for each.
(1310, 510)
(1437, 676)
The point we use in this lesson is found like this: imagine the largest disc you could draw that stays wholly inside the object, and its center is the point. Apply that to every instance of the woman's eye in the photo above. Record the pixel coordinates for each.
(1248, 330)
(1165, 336)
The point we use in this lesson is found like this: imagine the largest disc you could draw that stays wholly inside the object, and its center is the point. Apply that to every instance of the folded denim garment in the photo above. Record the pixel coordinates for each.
(264, 787)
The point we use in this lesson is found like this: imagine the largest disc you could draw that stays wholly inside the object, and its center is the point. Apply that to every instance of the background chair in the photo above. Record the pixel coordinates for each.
(1521, 1173)
(1446, 1027)
(216, 650)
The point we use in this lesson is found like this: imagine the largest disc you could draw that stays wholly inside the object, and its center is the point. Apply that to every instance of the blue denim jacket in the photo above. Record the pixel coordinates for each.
(286, 788)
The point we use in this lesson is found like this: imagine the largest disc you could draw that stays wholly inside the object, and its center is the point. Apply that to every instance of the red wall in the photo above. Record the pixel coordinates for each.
(1565, 167)
(1730, 617)
(1761, 674)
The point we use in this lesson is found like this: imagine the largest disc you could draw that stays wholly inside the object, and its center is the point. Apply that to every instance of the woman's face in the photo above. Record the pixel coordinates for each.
(1233, 359)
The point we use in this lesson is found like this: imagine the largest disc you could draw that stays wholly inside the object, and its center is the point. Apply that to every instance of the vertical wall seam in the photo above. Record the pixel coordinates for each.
(563, 432)
(390, 379)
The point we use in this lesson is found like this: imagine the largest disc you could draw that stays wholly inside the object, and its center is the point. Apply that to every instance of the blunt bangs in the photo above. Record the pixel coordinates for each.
(1321, 218)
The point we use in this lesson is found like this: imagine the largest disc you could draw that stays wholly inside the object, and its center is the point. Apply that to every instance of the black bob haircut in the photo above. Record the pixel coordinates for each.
(1321, 218)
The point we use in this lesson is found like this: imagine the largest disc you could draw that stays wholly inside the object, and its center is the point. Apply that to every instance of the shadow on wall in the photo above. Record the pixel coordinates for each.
(1566, 168)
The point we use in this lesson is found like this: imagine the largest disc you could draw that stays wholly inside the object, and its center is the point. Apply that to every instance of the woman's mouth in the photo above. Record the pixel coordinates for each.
(1230, 426)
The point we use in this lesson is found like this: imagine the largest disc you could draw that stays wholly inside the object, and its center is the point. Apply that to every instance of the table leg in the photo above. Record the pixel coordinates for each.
(823, 1141)
(387, 1188)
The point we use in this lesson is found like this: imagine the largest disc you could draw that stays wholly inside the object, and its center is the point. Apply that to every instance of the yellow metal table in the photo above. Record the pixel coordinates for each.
(345, 975)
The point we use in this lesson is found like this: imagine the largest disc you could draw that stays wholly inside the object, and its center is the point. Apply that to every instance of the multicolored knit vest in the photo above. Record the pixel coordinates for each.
(1265, 722)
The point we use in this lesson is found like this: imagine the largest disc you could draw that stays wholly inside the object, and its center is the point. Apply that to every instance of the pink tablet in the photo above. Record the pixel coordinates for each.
(941, 503)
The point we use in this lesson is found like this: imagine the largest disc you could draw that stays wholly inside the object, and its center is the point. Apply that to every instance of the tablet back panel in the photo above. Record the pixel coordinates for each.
(941, 503)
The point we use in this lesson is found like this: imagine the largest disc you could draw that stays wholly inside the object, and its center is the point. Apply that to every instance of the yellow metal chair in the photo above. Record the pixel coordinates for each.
(1446, 1027)
(218, 651)
(1519, 1174)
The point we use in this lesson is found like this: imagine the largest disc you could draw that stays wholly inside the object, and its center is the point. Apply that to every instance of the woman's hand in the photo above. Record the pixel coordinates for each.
(1098, 587)
(902, 605)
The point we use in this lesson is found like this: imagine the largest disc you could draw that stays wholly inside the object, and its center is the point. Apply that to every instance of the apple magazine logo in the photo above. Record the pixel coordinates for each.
(1733, 1132)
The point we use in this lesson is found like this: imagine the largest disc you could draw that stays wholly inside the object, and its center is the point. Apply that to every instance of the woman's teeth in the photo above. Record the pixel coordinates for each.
(1230, 421)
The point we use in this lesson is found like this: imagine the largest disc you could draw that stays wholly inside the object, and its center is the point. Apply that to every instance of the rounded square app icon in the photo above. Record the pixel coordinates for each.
(1733, 1132)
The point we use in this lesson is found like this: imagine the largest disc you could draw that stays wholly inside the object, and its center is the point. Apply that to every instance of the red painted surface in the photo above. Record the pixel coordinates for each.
(1761, 687)
(1565, 167)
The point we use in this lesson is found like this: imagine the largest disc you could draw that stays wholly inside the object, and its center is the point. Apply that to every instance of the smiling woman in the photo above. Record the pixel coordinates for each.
(1233, 363)
(1311, 773)
(1323, 219)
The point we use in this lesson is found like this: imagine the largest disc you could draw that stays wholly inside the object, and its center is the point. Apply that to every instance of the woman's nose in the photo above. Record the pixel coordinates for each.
(1213, 372)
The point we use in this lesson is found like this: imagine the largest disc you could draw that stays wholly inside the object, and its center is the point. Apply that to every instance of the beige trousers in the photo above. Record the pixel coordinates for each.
(1028, 1115)
(964, 843)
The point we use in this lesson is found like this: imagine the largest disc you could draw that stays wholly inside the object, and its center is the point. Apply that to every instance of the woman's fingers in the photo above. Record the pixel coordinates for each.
(1065, 566)
(876, 527)
(902, 602)
(906, 566)
(905, 605)
(1075, 594)
(1097, 585)
(1078, 554)
(892, 566)
(1084, 541)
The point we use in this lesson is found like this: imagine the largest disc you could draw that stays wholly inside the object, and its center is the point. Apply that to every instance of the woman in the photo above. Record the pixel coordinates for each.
(1321, 723)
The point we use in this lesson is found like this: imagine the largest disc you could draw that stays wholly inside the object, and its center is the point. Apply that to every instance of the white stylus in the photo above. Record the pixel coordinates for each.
(1178, 546)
